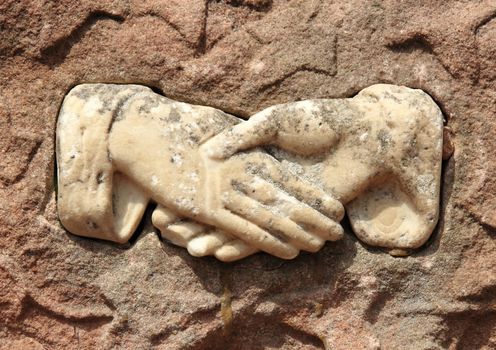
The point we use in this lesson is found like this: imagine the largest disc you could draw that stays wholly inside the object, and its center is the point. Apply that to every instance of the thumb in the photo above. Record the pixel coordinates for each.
(259, 130)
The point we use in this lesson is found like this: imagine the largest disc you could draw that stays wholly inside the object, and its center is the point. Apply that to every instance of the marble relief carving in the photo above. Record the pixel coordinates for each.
(279, 182)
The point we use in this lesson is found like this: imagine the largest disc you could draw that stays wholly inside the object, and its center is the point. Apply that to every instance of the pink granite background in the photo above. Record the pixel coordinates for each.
(58, 291)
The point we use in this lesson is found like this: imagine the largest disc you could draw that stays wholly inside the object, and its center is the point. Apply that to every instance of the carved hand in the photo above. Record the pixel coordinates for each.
(249, 194)
(154, 143)
(379, 153)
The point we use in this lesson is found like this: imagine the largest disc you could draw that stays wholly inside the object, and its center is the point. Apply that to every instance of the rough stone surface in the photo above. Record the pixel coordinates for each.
(60, 291)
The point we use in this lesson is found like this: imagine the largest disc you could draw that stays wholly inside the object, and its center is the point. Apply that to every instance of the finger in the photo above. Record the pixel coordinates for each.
(258, 130)
(305, 216)
(208, 243)
(181, 233)
(162, 217)
(310, 194)
(281, 227)
(317, 223)
(258, 189)
(234, 250)
(254, 235)
(303, 191)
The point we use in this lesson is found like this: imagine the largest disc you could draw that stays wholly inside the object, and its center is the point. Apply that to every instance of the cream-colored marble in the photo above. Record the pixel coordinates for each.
(219, 193)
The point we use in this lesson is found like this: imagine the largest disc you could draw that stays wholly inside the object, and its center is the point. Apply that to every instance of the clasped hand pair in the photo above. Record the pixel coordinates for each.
(216, 201)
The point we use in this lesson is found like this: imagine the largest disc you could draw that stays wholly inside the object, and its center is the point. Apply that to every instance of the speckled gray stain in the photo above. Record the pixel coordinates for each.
(278, 182)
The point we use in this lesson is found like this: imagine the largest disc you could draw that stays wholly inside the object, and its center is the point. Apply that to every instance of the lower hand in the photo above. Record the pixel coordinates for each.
(262, 206)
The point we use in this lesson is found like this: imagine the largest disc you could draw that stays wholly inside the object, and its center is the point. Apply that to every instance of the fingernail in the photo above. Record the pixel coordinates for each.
(216, 154)
(196, 248)
(214, 151)
(334, 207)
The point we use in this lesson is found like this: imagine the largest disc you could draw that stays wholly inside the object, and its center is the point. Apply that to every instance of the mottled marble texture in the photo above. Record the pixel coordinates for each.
(378, 154)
